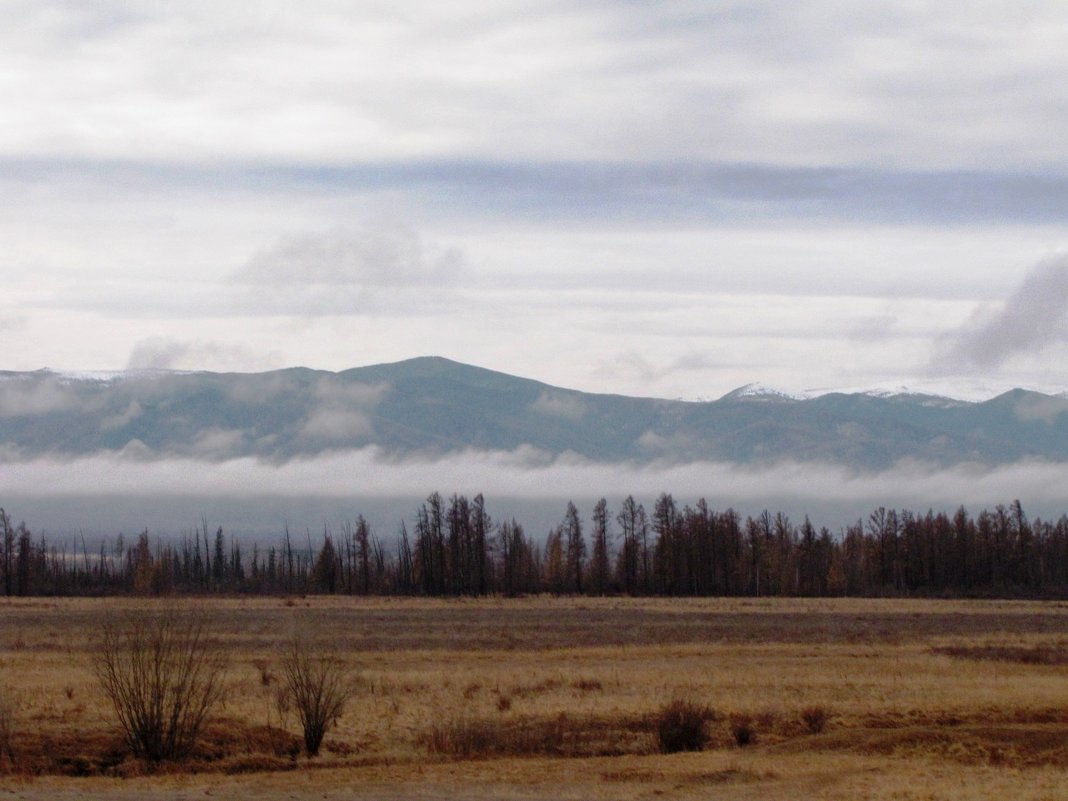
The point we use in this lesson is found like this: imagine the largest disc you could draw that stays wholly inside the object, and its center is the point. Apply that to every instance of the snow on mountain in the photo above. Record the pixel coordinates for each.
(757, 391)
(114, 375)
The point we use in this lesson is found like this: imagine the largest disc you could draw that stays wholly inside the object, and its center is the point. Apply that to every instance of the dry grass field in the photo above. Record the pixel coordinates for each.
(549, 698)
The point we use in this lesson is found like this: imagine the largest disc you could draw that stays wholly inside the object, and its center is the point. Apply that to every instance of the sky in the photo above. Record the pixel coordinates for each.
(670, 199)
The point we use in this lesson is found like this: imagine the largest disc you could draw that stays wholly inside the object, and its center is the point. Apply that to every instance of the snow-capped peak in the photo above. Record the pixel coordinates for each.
(760, 392)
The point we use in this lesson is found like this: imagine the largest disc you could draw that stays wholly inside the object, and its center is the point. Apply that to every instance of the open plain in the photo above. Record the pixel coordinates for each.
(556, 698)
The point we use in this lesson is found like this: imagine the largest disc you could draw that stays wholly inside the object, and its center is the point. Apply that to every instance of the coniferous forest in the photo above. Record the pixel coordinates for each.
(454, 548)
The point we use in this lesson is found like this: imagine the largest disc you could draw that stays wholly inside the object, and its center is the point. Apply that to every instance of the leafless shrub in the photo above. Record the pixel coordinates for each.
(742, 729)
(161, 678)
(815, 718)
(315, 685)
(682, 726)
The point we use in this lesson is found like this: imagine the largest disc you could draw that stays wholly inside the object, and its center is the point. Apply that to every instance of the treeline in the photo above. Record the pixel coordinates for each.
(456, 549)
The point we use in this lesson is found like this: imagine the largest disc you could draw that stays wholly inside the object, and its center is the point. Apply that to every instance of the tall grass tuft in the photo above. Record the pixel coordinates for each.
(815, 718)
(742, 729)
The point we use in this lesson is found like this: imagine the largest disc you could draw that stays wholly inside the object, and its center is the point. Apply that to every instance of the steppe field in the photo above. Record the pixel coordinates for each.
(557, 698)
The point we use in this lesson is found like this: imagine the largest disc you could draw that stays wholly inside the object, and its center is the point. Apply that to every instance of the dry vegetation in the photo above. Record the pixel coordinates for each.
(570, 698)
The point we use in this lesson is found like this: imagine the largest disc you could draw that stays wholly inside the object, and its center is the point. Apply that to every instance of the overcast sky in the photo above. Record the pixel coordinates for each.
(668, 199)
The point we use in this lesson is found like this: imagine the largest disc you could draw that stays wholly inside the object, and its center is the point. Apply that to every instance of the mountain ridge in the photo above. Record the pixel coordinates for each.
(432, 406)
(439, 364)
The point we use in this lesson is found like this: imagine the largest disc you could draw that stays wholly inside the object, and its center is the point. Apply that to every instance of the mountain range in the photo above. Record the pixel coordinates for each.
(433, 406)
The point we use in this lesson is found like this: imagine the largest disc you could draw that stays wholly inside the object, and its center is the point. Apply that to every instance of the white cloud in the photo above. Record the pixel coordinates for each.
(332, 393)
(342, 411)
(1044, 408)
(559, 404)
(133, 453)
(36, 395)
(333, 424)
(216, 443)
(116, 421)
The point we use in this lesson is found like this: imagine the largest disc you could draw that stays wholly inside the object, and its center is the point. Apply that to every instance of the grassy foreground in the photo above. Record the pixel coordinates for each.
(556, 698)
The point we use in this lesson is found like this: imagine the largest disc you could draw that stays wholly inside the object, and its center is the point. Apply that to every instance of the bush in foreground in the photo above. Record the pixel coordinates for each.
(315, 684)
(161, 678)
(682, 726)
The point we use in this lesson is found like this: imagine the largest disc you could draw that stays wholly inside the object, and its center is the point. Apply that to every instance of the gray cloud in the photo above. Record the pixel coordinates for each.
(164, 353)
(377, 256)
(1030, 319)
(696, 189)
(819, 81)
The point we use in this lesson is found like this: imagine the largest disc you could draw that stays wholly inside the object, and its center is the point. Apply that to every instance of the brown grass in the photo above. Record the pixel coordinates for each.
(499, 691)
(9, 724)
(562, 736)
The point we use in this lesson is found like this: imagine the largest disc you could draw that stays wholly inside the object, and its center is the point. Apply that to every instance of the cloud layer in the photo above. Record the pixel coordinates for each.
(808, 82)
(526, 474)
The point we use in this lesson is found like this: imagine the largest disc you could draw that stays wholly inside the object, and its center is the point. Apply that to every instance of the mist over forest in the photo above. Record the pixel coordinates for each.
(163, 451)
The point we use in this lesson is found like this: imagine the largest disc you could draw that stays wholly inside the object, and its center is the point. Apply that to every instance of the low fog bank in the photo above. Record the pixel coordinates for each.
(254, 500)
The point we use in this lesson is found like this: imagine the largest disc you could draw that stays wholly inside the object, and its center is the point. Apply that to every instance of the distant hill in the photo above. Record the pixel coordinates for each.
(436, 406)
